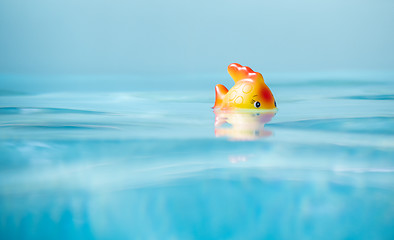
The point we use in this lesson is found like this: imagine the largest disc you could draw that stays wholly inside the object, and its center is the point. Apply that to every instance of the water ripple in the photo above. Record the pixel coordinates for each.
(367, 125)
(33, 110)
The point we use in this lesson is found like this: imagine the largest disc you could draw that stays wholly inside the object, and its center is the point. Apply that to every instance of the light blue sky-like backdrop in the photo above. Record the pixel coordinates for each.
(179, 38)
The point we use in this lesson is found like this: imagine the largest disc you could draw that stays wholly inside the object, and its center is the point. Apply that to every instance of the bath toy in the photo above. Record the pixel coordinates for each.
(249, 91)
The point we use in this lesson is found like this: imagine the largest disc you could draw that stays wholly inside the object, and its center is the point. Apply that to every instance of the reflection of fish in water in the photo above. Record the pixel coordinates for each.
(241, 125)
(249, 91)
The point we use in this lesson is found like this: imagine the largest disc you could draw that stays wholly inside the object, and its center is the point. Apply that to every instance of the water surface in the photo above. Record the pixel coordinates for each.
(149, 164)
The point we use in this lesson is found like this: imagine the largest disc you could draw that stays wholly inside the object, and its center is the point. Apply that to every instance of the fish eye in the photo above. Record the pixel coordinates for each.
(256, 104)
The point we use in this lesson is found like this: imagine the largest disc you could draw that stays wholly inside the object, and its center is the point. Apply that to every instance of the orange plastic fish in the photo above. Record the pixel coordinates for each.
(249, 91)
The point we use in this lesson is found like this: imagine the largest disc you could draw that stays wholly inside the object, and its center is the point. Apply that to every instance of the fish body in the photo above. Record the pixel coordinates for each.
(249, 91)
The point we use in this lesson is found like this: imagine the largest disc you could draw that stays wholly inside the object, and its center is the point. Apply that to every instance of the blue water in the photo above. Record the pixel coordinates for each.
(151, 164)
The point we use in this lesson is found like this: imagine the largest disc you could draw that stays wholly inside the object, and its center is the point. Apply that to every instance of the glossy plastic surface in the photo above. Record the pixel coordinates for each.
(249, 91)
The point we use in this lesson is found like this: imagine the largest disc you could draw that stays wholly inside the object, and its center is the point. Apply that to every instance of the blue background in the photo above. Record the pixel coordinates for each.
(178, 37)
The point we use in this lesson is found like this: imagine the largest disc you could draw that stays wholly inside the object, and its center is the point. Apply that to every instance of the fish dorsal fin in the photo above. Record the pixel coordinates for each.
(239, 72)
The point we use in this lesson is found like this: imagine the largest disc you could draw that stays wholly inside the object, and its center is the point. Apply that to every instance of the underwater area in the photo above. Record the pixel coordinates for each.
(148, 162)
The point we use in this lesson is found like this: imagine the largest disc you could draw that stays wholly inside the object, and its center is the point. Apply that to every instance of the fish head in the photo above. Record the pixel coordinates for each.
(250, 94)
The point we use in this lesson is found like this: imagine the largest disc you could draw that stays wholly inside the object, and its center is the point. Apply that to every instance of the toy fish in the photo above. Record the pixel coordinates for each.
(249, 91)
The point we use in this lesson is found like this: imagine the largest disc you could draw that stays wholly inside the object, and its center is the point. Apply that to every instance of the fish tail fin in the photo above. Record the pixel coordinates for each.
(220, 91)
